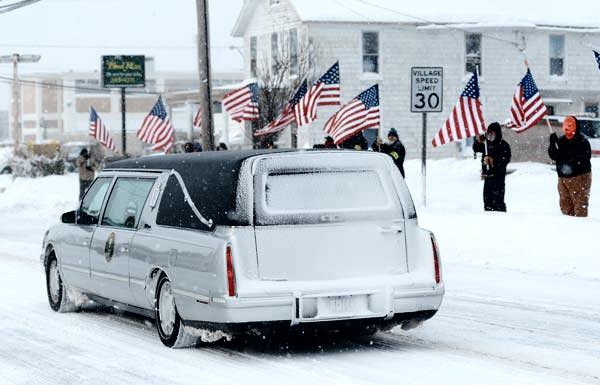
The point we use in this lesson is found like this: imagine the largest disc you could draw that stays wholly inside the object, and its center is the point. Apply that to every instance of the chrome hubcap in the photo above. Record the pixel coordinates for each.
(166, 309)
(53, 281)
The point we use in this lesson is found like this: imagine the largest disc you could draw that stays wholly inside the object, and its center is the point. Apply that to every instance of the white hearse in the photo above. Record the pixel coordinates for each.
(218, 243)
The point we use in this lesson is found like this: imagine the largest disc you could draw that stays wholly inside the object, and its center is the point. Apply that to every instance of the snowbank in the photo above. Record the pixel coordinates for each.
(532, 236)
(28, 207)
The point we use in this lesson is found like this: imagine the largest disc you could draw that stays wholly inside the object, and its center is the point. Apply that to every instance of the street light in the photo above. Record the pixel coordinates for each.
(15, 59)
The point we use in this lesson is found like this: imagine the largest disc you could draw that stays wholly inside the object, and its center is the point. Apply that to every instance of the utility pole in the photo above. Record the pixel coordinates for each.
(15, 59)
(208, 137)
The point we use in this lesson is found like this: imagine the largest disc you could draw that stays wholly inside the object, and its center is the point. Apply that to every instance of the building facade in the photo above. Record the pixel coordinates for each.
(55, 106)
(380, 48)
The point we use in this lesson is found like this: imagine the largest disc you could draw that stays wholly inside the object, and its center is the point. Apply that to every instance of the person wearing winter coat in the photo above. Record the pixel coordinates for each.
(572, 154)
(394, 148)
(86, 171)
(493, 166)
(357, 142)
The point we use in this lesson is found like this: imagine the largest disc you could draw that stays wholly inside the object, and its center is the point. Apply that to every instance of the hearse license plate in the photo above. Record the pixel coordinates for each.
(347, 305)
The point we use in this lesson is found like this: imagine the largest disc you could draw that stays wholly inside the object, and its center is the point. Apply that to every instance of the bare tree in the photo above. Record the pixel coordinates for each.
(278, 78)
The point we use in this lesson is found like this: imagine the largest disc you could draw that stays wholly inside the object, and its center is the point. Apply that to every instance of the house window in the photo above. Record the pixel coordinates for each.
(557, 55)
(253, 56)
(591, 110)
(370, 51)
(473, 53)
(217, 107)
(293, 41)
(274, 52)
(550, 109)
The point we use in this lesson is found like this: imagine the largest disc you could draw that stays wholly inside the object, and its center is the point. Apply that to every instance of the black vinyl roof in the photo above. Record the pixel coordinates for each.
(210, 177)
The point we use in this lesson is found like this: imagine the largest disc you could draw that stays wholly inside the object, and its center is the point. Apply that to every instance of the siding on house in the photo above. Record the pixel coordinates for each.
(402, 46)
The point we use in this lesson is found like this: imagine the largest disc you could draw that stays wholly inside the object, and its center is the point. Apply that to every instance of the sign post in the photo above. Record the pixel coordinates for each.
(427, 91)
(122, 72)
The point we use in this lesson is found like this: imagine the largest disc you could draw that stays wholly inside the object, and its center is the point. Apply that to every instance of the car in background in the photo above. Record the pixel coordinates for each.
(216, 244)
(6, 153)
(590, 128)
(70, 151)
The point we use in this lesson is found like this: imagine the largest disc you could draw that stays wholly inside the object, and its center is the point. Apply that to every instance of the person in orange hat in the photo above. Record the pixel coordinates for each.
(572, 154)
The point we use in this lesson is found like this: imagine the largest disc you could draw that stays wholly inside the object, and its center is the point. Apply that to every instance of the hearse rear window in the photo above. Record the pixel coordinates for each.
(174, 211)
(325, 191)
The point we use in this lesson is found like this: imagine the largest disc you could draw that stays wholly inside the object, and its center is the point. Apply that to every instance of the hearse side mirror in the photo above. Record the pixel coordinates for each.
(69, 217)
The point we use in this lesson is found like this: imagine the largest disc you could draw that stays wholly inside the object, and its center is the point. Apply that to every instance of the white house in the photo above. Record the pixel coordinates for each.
(378, 41)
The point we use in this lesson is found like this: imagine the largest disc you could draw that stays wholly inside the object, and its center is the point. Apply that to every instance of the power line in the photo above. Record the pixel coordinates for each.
(19, 4)
(7, 79)
(75, 46)
(421, 19)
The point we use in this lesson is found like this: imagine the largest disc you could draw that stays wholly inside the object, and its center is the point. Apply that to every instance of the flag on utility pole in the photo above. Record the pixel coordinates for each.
(242, 103)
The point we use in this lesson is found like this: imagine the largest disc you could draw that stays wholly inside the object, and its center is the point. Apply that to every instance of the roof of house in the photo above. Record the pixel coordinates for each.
(474, 13)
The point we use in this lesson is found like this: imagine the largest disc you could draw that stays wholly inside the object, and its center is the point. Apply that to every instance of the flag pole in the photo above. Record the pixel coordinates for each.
(485, 147)
(550, 130)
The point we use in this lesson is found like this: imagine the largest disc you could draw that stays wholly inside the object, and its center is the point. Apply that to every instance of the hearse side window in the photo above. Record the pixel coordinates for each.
(126, 202)
(92, 201)
(174, 211)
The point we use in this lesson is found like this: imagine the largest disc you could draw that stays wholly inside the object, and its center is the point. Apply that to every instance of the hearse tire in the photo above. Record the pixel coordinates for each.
(171, 330)
(58, 292)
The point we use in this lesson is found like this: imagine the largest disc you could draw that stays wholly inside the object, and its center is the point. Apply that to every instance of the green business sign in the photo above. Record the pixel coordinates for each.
(123, 71)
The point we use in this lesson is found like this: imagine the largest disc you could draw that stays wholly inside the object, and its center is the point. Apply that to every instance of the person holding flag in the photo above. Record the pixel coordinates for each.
(496, 156)
(465, 121)
(572, 154)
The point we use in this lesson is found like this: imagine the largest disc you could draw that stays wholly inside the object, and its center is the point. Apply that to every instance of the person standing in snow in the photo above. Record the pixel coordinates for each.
(393, 148)
(357, 142)
(572, 154)
(493, 166)
(86, 171)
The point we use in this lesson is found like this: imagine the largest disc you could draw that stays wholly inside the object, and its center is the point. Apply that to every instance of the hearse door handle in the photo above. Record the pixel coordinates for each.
(391, 229)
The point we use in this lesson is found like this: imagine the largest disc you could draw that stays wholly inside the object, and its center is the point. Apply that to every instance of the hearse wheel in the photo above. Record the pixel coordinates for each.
(57, 291)
(171, 330)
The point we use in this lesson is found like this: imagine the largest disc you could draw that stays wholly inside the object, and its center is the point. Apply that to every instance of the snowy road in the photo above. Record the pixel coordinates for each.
(521, 305)
(538, 330)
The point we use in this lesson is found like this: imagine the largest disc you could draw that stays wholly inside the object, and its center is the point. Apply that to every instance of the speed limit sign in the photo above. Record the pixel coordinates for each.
(426, 89)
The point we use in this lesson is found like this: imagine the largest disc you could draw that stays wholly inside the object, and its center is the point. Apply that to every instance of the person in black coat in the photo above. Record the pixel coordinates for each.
(493, 166)
(394, 149)
(572, 154)
(357, 142)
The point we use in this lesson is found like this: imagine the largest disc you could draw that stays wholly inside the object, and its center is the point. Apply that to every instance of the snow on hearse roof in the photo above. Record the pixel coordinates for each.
(211, 177)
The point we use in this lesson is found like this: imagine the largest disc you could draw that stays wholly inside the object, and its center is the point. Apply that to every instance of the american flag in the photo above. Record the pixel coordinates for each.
(466, 119)
(99, 131)
(330, 94)
(324, 92)
(242, 103)
(287, 116)
(360, 113)
(597, 55)
(197, 122)
(156, 128)
(527, 106)
(305, 108)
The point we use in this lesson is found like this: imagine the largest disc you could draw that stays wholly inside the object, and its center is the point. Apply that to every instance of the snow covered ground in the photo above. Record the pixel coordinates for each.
(521, 307)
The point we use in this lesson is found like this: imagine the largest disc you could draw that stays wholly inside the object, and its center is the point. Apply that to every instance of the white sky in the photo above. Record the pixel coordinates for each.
(73, 34)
